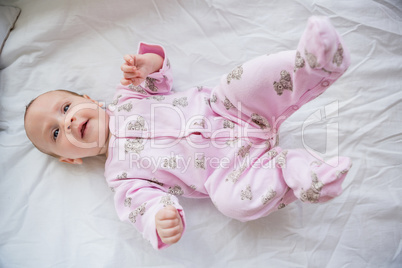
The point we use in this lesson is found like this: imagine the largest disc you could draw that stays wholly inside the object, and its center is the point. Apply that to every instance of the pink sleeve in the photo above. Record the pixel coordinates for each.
(159, 82)
(137, 202)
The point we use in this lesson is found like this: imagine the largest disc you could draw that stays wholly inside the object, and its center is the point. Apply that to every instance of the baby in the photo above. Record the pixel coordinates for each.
(216, 142)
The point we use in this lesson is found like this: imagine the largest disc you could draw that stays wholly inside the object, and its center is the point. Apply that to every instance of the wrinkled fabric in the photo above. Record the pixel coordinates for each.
(222, 142)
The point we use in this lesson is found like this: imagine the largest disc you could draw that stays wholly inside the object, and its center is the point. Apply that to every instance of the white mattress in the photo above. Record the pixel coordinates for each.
(58, 215)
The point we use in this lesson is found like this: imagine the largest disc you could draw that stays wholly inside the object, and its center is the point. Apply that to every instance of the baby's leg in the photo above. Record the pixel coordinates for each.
(276, 179)
(265, 91)
(270, 88)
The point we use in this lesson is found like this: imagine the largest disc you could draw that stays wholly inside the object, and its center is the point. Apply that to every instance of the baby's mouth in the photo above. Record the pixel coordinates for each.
(83, 127)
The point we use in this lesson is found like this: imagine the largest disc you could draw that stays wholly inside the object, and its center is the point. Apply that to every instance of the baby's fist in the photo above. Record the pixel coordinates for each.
(169, 225)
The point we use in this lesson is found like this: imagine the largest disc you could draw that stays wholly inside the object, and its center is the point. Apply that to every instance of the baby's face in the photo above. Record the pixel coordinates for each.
(66, 125)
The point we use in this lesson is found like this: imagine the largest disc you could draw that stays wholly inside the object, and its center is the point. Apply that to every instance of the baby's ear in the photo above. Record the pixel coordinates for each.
(76, 161)
(94, 101)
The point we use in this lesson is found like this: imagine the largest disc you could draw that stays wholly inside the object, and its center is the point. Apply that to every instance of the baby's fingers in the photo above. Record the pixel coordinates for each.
(169, 223)
(127, 68)
(168, 213)
(125, 82)
(170, 236)
(132, 74)
(129, 59)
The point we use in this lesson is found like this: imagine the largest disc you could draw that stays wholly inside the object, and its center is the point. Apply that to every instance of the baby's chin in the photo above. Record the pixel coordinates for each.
(84, 154)
(90, 149)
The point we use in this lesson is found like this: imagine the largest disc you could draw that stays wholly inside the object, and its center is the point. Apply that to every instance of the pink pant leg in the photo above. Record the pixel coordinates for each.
(266, 91)
(272, 180)
(272, 87)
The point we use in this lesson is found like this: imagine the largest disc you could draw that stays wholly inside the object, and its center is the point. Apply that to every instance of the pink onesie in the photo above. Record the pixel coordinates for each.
(221, 142)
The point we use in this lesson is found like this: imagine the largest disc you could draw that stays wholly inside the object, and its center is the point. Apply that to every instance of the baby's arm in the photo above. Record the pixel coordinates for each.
(147, 72)
(152, 211)
(136, 68)
(169, 225)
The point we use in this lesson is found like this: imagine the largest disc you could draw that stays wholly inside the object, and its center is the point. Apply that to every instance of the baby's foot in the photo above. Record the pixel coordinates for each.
(323, 48)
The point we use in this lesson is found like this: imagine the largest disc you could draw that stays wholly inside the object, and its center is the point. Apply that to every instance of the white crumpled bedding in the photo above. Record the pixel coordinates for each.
(56, 215)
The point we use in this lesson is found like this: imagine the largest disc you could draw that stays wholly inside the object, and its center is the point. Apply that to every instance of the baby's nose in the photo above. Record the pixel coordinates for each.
(71, 122)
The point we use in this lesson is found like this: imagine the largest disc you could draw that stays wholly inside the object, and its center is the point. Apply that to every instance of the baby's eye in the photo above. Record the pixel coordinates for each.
(65, 109)
(55, 134)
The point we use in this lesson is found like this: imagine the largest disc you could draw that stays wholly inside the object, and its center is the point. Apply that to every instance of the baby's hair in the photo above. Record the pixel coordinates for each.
(32, 101)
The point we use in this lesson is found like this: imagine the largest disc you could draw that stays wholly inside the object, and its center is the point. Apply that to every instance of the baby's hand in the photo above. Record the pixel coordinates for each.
(169, 225)
(136, 68)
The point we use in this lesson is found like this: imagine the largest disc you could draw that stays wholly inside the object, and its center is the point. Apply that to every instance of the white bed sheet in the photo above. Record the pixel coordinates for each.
(56, 215)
